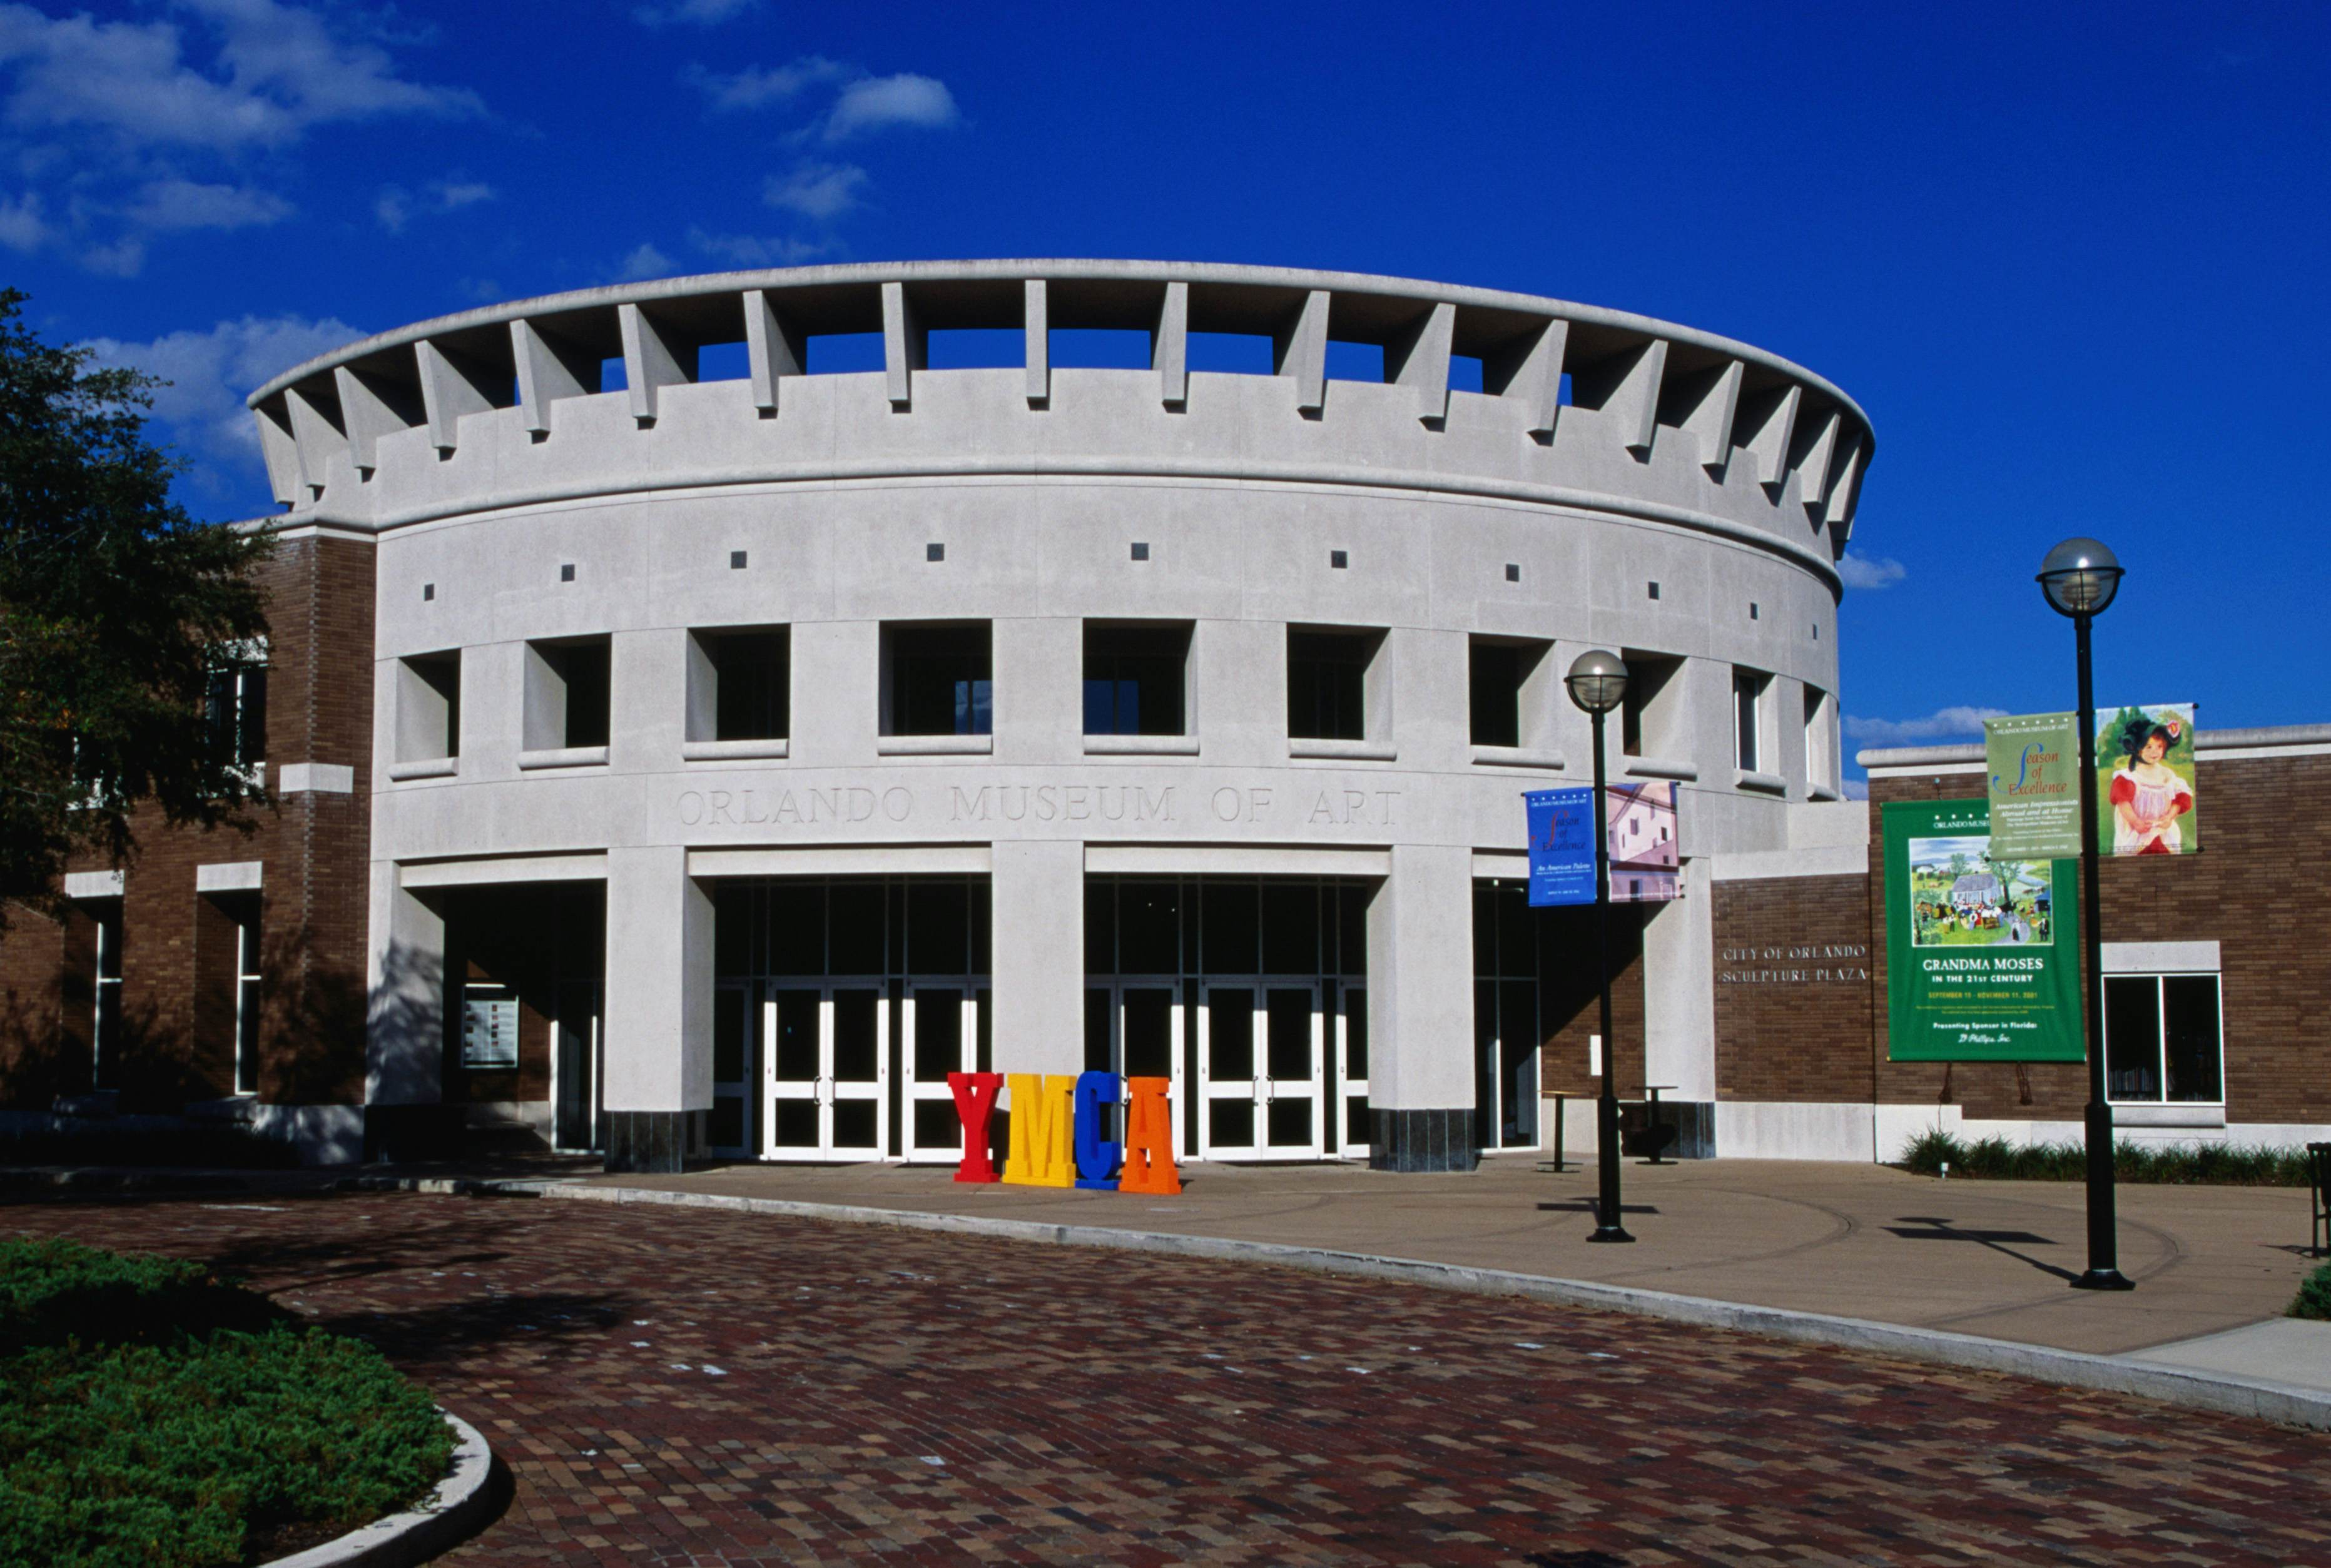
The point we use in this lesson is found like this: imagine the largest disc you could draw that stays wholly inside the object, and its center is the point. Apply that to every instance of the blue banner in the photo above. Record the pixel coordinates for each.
(1561, 846)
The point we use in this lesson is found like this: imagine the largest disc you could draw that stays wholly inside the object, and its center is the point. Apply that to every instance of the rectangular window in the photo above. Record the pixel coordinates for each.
(1650, 716)
(1135, 678)
(939, 679)
(740, 683)
(1495, 679)
(1748, 715)
(428, 707)
(1330, 676)
(236, 708)
(568, 694)
(2162, 1040)
(245, 913)
(1821, 760)
(105, 1034)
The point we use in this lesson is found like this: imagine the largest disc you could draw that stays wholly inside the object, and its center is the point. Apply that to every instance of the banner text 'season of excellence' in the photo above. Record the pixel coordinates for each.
(1982, 949)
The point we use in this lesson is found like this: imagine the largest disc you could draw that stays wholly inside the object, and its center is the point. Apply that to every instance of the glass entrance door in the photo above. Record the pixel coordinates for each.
(828, 1071)
(1259, 1061)
(730, 1129)
(941, 1023)
(1349, 1096)
(574, 1070)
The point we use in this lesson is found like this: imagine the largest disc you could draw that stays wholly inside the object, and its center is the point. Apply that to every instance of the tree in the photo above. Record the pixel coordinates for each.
(116, 608)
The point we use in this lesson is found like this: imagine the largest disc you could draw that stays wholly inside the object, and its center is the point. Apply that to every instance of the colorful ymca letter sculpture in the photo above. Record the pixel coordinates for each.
(1056, 1138)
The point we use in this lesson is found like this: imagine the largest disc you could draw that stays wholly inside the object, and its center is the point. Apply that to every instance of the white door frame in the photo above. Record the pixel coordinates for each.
(826, 1089)
(1344, 1088)
(1261, 1089)
(918, 1090)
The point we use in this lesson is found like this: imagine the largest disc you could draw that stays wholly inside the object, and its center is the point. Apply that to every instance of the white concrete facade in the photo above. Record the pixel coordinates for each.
(515, 505)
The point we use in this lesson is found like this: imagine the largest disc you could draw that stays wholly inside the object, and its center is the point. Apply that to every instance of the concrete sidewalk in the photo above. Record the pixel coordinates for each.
(1983, 1258)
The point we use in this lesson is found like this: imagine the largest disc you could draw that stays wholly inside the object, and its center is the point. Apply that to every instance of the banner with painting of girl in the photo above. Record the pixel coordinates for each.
(2144, 780)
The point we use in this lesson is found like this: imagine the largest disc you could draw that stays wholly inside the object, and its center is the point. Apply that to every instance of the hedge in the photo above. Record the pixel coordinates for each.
(153, 1415)
(1996, 1159)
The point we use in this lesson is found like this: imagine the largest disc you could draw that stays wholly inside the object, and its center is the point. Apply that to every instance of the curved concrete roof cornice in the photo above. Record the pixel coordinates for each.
(1005, 269)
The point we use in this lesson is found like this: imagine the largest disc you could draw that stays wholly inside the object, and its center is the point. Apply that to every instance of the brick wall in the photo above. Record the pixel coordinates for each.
(314, 851)
(2258, 889)
(1792, 988)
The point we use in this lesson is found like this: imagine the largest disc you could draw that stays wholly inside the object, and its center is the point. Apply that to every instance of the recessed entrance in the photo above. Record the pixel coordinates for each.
(841, 1005)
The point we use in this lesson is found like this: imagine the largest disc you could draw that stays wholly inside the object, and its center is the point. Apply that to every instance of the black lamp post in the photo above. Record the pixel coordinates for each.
(2081, 577)
(1598, 683)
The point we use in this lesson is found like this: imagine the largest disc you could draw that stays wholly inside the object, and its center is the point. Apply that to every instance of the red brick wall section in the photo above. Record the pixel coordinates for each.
(1793, 991)
(314, 851)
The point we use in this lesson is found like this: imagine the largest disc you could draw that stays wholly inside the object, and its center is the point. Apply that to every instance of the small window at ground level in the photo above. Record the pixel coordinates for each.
(2162, 1040)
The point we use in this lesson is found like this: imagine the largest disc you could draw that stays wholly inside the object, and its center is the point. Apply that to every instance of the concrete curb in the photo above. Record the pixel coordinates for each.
(2190, 1389)
(458, 1509)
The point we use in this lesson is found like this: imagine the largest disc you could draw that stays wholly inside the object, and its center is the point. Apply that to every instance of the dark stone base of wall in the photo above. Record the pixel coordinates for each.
(1421, 1140)
(652, 1141)
(428, 1132)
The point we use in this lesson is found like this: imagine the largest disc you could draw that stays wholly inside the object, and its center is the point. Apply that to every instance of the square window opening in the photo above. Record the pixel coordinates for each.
(1338, 684)
(937, 678)
(428, 707)
(234, 708)
(1510, 699)
(1137, 677)
(568, 693)
(1348, 361)
(739, 683)
(1651, 718)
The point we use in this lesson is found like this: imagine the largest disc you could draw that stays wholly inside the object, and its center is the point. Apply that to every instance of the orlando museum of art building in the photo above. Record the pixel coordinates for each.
(680, 750)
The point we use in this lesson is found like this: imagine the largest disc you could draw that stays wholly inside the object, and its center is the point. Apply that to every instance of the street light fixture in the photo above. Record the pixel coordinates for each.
(2081, 577)
(1598, 683)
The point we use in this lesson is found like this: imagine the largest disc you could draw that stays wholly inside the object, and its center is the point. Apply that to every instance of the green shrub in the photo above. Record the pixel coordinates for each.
(152, 1415)
(54, 1290)
(1996, 1159)
(2314, 1297)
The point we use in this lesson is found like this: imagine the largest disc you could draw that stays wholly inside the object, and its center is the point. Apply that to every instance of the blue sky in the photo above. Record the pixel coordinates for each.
(2071, 259)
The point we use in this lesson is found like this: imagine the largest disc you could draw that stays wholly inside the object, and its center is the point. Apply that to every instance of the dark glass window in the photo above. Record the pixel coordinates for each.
(1496, 690)
(1135, 678)
(1747, 701)
(1648, 675)
(753, 676)
(236, 708)
(1327, 684)
(2162, 1039)
(570, 709)
(941, 680)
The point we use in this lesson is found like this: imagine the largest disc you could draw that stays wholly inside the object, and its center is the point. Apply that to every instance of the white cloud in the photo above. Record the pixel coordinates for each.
(698, 13)
(759, 86)
(164, 205)
(21, 227)
(754, 250)
(879, 102)
(645, 261)
(394, 207)
(1961, 723)
(1856, 789)
(818, 191)
(277, 71)
(1870, 572)
(124, 258)
(210, 374)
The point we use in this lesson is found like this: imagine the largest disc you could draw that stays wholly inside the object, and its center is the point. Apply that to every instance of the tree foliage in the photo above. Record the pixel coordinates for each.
(115, 605)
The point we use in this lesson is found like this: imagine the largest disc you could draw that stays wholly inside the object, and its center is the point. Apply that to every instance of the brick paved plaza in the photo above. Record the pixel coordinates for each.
(692, 1389)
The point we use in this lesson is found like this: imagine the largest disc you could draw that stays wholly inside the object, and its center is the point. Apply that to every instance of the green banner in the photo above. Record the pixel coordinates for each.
(2033, 762)
(2144, 780)
(1983, 952)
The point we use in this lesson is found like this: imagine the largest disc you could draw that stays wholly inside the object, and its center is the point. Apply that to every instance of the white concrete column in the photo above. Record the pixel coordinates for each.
(836, 696)
(659, 998)
(1039, 667)
(1238, 693)
(1038, 947)
(1679, 989)
(404, 1025)
(647, 698)
(1420, 981)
